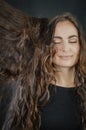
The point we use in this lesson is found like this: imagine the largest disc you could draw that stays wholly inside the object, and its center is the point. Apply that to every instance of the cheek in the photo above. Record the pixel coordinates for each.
(57, 49)
(76, 49)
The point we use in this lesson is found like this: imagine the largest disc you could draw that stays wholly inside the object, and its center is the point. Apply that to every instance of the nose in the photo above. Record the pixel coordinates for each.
(64, 46)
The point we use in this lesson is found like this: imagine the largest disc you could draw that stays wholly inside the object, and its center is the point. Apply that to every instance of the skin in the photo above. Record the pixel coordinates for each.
(67, 49)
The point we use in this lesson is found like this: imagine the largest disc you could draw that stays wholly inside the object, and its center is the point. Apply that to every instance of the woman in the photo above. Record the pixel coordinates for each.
(63, 75)
(39, 76)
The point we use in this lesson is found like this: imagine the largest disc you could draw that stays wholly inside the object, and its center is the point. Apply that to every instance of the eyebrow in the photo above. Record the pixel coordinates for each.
(73, 36)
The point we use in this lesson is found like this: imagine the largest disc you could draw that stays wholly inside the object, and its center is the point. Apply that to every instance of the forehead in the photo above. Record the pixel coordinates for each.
(65, 28)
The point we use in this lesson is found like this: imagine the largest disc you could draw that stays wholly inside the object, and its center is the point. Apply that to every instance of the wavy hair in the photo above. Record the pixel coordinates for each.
(26, 65)
(21, 47)
(48, 69)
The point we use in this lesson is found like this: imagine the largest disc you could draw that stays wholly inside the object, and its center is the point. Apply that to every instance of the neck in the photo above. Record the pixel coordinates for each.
(65, 77)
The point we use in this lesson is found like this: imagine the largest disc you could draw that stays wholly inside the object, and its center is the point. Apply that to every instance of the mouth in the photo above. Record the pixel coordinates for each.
(66, 57)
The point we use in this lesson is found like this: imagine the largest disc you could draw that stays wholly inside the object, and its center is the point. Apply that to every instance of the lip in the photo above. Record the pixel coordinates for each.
(65, 57)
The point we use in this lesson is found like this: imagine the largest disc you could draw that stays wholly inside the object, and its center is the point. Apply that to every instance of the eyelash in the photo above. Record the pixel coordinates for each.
(56, 42)
(59, 42)
(72, 41)
(69, 42)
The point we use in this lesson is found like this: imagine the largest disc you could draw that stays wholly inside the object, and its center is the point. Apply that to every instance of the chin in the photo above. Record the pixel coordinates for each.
(66, 65)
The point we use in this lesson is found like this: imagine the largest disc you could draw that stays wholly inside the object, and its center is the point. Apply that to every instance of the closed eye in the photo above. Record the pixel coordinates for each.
(57, 40)
(73, 39)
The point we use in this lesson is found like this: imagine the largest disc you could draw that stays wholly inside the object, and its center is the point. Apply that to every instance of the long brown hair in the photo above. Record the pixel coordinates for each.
(21, 47)
(80, 68)
(26, 66)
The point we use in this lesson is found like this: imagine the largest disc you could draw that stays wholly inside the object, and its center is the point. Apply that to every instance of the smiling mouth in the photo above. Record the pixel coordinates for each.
(65, 57)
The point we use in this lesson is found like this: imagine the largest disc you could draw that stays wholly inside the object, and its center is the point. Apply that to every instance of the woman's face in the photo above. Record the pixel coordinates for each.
(66, 44)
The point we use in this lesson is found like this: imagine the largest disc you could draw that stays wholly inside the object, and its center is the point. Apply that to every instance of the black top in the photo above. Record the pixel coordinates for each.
(63, 110)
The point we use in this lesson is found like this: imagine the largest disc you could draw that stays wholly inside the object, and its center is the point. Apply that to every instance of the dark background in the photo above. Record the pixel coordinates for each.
(50, 8)
(43, 8)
